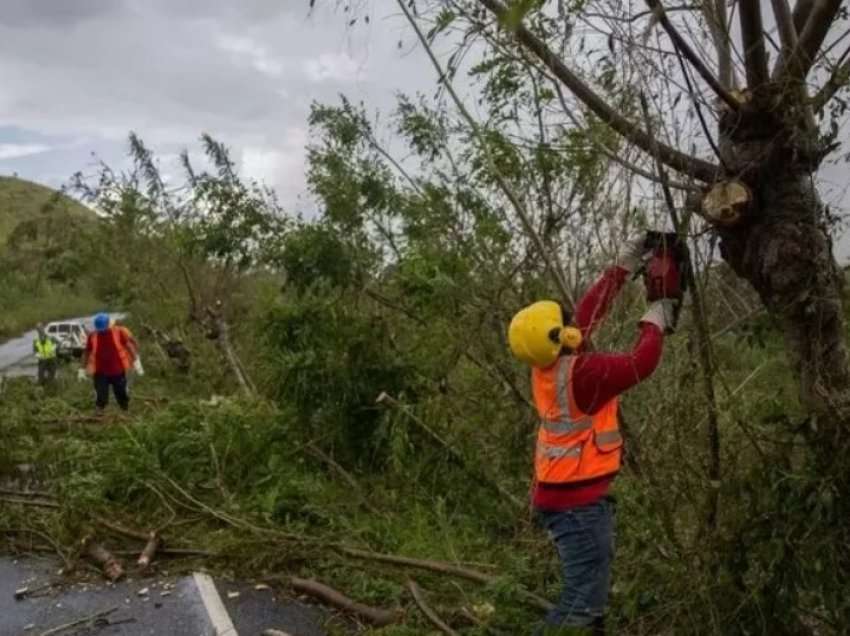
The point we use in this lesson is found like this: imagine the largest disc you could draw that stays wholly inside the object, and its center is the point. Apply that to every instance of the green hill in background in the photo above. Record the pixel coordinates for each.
(22, 200)
(44, 271)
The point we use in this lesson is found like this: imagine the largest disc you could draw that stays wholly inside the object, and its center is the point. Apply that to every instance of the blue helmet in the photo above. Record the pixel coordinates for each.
(101, 322)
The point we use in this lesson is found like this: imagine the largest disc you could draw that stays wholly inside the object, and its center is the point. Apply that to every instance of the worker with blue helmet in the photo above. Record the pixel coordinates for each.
(101, 322)
(110, 353)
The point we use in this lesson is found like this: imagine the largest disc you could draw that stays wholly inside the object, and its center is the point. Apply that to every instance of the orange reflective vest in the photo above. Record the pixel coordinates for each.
(572, 446)
(124, 354)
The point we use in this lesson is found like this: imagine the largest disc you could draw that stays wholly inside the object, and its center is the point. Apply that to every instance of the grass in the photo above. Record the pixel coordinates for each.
(21, 200)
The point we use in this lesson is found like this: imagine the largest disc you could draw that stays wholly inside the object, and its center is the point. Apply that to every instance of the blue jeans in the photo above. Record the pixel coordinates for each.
(584, 538)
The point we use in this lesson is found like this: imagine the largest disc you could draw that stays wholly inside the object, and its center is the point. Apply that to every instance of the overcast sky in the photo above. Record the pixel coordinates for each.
(78, 75)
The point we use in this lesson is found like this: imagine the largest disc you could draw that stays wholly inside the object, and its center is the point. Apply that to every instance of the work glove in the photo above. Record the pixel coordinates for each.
(81, 374)
(662, 314)
(137, 366)
(634, 255)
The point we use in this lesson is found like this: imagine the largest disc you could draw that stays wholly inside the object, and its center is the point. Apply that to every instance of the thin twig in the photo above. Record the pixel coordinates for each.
(81, 621)
(430, 614)
(544, 252)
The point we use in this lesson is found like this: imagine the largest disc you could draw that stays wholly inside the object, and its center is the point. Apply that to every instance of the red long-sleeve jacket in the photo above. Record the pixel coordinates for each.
(599, 377)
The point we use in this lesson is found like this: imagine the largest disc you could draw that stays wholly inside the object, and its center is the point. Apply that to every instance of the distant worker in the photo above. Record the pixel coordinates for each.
(110, 353)
(579, 444)
(46, 351)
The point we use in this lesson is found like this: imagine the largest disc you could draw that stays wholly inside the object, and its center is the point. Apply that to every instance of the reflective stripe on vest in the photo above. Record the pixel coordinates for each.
(123, 355)
(45, 349)
(555, 452)
(572, 446)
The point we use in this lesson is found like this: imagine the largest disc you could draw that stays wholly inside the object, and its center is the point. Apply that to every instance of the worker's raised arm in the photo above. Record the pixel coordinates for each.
(600, 377)
(596, 302)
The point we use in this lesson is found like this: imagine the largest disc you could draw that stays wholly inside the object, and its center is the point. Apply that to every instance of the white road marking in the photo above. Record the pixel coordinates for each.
(220, 619)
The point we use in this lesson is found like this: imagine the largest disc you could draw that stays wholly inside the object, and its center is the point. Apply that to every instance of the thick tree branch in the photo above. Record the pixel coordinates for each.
(785, 26)
(752, 33)
(605, 150)
(718, 23)
(681, 44)
(697, 168)
(796, 66)
(801, 14)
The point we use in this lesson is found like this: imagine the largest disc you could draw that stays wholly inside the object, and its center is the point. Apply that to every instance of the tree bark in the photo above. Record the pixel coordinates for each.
(786, 254)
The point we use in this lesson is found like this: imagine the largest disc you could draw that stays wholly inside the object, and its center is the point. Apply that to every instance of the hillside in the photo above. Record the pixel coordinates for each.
(21, 200)
(43, 277)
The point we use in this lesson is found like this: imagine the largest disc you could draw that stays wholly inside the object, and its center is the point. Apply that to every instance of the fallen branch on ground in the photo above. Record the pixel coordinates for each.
(30, 502)
(82, 621)
(117, 528)
(444, 568)
(430, 614)
(111, 566)
(374, 615)
(26, 493)
(148, 553)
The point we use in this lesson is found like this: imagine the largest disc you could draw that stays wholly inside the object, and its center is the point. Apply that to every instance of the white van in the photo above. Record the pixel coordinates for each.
(70, 336)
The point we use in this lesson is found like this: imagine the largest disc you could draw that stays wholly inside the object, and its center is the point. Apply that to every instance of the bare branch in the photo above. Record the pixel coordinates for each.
(681, 44)
(752, 33)
(797, 65)
(697, 168)
(718, 24)
(613, 156)
(801, 14)
(785, 26)
(838, 80)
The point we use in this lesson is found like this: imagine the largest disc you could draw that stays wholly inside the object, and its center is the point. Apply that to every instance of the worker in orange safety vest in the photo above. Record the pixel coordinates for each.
(579, 444)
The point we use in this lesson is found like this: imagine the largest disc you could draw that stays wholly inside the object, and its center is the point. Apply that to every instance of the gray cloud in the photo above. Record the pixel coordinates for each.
(246, 72)
(50, 14)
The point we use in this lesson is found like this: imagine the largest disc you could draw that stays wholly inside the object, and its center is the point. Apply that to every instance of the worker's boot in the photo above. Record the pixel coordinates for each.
(550, 630)
(599, 626)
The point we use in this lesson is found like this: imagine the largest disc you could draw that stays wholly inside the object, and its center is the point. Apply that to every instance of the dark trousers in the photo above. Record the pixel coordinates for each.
(46, 370)
(584, 538)
(119, 388)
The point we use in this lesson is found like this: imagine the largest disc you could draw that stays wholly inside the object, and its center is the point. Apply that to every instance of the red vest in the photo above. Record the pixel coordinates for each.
(571, 445)
(124, 354)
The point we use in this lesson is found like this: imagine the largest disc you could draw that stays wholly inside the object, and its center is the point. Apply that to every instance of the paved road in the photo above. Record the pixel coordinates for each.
(16, 356)
(170, 605)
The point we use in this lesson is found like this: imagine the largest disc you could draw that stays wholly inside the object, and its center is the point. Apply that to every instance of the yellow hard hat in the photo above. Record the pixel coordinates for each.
(537, 333)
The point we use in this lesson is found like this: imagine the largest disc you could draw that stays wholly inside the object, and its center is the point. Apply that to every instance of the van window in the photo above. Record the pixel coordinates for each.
(51, 329)
(64, 328)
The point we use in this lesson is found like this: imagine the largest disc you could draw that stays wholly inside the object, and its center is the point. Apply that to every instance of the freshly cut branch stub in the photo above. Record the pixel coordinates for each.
(726, 203)
(112, 568)
(148, 553)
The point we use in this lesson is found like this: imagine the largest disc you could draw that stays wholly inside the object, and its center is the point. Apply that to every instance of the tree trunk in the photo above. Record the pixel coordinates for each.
(785, 252)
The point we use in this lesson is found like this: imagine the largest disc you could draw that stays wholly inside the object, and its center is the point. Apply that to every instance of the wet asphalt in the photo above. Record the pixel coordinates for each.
(159, 605)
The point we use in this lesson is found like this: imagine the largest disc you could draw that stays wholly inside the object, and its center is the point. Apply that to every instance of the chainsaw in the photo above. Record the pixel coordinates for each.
(667, 272)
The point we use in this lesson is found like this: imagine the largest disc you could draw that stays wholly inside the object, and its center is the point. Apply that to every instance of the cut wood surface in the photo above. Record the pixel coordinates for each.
(111, 566)
(149, 551)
